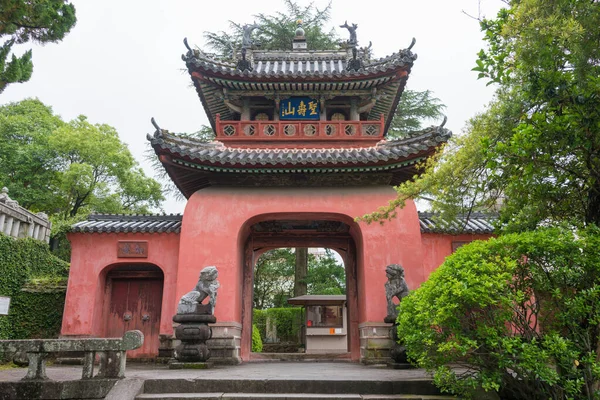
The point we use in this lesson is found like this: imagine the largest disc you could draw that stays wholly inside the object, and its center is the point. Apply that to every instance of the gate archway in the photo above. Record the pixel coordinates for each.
(271, 231)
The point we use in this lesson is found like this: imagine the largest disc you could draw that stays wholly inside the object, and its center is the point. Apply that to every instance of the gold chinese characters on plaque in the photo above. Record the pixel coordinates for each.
(132, 249)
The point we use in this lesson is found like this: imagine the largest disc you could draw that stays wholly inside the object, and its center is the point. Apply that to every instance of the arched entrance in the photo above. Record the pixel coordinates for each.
(217, 230)
(270, 231)
(133, 300)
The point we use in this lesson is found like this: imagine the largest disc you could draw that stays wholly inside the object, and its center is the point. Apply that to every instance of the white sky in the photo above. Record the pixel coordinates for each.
(121, 64)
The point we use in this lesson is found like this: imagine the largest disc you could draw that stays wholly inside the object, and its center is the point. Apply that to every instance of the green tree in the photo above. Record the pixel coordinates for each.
(274, 278)
(68, 169)
(277, 30)
(534, 154)
(325, 275)
(413, 110)
(41, 21)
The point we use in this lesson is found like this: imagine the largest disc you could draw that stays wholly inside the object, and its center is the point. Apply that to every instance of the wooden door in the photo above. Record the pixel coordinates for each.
(135, 304)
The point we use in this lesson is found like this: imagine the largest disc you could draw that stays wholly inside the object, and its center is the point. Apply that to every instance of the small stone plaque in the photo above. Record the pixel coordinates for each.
(132, 249)
(4, 305)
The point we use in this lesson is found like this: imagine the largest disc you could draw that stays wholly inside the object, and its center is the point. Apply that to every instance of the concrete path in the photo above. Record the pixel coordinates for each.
(259, 371)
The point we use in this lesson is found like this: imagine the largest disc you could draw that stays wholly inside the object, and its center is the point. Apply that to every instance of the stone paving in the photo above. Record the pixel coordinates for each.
(251, 370)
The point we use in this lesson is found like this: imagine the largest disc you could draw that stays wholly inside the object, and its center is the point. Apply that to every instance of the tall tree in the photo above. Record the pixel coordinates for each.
(41, 21)
(277, 30)
(413, 110)
(273, 278)
(325, 275)
(68, 169)
(534, 154)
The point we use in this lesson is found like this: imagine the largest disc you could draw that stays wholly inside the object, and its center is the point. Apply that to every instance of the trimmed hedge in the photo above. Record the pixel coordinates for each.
(288, 322)
(34, 280)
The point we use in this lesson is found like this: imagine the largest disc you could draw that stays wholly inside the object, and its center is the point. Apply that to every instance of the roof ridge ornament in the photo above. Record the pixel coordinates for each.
(412, 43)
(158, 133)
(355, 63)
(247, 43)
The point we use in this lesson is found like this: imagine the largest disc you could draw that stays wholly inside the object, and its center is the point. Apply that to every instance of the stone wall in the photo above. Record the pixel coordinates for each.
(18, 222)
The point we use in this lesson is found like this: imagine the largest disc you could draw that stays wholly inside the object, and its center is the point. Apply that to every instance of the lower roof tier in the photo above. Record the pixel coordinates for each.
(194, 164)
(475, 223)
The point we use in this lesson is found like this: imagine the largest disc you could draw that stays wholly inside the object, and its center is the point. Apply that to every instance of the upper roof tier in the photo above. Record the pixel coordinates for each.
(324, 75)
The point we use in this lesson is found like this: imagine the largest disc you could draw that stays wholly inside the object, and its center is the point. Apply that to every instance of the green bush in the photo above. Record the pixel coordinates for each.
(520, 316)
(257, 345)
(34, 280)
(288, 321)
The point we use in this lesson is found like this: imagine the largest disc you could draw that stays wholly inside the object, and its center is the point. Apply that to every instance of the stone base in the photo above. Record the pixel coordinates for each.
(190, 365)
(225, 344)
(375, 343)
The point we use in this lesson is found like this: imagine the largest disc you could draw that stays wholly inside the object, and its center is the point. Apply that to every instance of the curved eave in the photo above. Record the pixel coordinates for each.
(189, 162)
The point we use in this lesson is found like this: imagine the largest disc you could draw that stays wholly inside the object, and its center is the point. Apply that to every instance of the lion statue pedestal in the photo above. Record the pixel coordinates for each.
(193, 318)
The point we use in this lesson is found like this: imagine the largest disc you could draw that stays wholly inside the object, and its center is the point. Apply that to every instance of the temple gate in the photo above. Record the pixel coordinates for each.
(300, 151)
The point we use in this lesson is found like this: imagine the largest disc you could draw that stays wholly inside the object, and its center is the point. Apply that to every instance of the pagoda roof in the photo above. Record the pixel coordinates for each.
(193, 164)
(292, 73)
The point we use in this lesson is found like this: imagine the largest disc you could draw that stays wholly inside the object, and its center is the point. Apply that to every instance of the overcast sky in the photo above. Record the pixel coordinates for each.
(121, 64)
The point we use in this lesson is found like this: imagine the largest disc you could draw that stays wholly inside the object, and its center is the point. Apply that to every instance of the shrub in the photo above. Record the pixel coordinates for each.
(257, 344)
(288, 322)
(34, 280)
(518, 315)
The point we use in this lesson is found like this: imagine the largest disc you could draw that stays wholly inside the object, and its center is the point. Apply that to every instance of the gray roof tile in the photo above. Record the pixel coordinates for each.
(216, 153)
(476, 223)
(117, 223)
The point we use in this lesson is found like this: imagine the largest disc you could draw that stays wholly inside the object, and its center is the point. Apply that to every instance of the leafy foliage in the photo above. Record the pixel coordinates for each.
(325, 275)
(277, 31)
(68, 169)
(413, 109)
(288, 322)
(546, 55)
(41, 21)
(257, 344)
(535, 153)
(274, 277)
(518, 315)
(35, 313)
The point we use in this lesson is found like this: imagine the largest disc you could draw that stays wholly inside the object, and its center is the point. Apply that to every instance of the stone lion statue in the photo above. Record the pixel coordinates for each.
(206, 287)
(395, 287)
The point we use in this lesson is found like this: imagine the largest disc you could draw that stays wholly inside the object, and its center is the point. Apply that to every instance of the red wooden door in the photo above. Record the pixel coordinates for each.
(135, 304)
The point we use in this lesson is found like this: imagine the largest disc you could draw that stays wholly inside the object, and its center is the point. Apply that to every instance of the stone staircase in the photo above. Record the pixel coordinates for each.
(285, 389)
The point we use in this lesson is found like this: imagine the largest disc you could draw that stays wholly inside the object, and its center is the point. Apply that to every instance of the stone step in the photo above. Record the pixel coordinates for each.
(418, 387)
(306, 357)
(284, 396)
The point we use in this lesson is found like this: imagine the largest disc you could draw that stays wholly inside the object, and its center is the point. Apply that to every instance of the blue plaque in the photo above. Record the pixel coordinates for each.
(302, 108)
